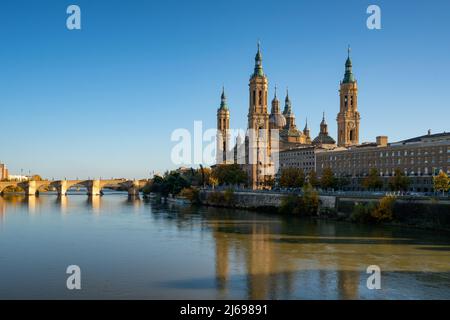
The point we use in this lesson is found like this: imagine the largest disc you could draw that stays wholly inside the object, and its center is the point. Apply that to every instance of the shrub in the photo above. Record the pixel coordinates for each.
(374, 212)
(384, 210)
(289, 204)
(306, 205)
(192, 194)
(362, 213)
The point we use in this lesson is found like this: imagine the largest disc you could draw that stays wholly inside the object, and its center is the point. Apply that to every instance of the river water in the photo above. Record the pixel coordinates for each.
(130, 249)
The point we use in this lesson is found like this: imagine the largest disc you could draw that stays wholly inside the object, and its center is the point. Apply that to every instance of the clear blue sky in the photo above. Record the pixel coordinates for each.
(103, 101)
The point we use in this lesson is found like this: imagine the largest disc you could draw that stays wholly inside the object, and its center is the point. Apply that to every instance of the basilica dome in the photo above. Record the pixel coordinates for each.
(277, 120)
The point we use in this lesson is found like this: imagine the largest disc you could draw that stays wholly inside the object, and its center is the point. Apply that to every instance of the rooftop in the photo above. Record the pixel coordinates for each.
(426, 138)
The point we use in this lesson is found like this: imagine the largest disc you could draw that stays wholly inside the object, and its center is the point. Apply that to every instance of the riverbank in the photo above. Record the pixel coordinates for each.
(419, 213)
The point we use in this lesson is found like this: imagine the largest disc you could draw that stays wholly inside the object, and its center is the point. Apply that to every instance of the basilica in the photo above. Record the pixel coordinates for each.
(269, 133)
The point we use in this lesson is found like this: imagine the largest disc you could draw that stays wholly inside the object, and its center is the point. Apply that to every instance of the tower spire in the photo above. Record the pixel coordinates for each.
(287, 104)
(223, 100)
(348, 77)
(258, 62)
(323, 125)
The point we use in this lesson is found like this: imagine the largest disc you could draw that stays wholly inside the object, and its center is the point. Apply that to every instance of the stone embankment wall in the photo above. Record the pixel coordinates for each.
(248, 199)
(427, 213)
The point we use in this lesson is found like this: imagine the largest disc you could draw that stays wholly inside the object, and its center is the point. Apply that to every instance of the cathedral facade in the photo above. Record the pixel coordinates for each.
(269, 133)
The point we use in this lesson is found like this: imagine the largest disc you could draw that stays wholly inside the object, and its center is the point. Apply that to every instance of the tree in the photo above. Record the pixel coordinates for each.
(306, 204)
(384, 210)
(292, 178)
(373, 180)
(441, 182)
(172, 182)
(313, 180)
(213, 181)
(229, 174)
(399, 182)
(328, 180)
(342, 182)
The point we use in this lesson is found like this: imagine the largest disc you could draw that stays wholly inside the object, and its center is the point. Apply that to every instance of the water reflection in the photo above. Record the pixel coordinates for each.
(170, 251)
(286, 258)
(62, 202)
(94, 202)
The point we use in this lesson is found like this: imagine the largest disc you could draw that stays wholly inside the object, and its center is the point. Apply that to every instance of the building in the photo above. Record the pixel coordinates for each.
(4, 173)
(418, 158)
(269, 134)
(18, 178)
(302, 157)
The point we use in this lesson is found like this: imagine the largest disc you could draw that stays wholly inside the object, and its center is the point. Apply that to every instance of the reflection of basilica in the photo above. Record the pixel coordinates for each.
(275, 269)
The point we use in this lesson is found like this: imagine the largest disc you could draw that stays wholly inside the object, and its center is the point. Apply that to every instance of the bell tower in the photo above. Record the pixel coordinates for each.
(258, 116)
(348, 116)
(223, 130)
(259, 150)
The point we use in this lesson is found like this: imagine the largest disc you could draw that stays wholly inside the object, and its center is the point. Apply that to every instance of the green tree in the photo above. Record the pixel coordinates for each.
(292, 178)
(342, 182)
(229, 174)
(313, 179)
(399, 182)
(306, 204)
(328, 180)
(441, 182)
(373, 180)
(172, 182)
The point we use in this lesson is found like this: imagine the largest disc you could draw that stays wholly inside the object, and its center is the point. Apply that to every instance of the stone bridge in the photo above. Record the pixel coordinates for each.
(94, 187)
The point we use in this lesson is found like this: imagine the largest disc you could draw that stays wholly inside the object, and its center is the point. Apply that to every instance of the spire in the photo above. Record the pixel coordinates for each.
(323, 125)
(348, 77)
(275, 103)
(287, 104)
(306, 129)
(223, 100)
(258, 63)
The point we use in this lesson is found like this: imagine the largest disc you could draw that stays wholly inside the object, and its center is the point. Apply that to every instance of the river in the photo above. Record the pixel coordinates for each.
(141, 249)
